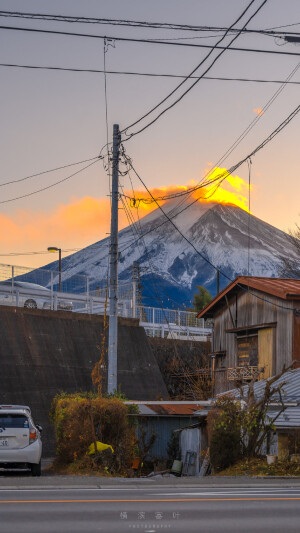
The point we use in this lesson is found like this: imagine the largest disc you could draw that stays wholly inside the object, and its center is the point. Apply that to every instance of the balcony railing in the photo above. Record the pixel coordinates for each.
(243, 373)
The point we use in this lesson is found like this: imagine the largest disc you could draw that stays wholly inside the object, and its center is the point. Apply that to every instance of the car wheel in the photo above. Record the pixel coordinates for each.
(30, 304)
(36, 469)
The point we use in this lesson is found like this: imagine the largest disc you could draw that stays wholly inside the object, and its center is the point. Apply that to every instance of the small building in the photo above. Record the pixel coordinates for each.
(193, 444)
(256, 329)
(285, 441)
(162, 418)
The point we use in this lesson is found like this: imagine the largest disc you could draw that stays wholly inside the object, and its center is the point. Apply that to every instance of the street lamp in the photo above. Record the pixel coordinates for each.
(55, 249)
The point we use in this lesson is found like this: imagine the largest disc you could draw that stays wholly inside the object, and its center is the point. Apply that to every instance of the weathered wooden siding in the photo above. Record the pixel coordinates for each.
(250, 309)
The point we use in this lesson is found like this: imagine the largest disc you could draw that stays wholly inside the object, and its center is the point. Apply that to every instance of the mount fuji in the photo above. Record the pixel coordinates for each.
(170, 268)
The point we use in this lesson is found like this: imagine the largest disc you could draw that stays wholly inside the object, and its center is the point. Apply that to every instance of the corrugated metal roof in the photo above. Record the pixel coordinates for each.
(290, 389)
(287, 289)
(290, 417)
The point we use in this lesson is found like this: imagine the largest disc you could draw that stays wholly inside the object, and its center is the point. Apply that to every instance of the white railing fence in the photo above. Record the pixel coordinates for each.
(39, 289)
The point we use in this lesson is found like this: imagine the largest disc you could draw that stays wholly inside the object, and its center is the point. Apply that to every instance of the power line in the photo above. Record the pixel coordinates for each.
(204, 184)
(146, 74)
(148, 41)
(42, 252)
(49, 186)
(193, 71)
(133, 23)
(232, 169)
(284, 26)
(169, 219)
(136, 227)
(48, 171)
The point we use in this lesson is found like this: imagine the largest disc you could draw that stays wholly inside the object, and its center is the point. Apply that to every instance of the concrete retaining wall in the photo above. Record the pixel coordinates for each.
(46, 352)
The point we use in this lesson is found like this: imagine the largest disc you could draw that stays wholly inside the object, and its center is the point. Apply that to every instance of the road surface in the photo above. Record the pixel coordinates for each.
(150, 509)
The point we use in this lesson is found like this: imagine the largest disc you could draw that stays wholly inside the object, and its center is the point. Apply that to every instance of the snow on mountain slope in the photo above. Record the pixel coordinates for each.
(220, 234)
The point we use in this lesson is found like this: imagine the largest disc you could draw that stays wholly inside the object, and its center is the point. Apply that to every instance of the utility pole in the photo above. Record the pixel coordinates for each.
(112, 383)
(134, 280)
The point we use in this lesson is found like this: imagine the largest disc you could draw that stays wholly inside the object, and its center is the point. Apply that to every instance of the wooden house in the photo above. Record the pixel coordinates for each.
(256, 329)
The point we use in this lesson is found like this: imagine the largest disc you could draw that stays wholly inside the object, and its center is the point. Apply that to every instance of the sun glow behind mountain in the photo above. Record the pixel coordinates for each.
(222, 188)
(85, 220)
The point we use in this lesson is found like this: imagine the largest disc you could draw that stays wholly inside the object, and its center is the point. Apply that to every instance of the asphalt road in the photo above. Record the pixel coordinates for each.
(151, 509)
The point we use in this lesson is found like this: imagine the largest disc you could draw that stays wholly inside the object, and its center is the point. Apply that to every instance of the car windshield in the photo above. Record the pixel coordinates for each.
(13, 420)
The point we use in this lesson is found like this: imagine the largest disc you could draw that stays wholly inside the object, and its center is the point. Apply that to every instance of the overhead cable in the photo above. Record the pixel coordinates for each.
(146, 74)
(48, 171)
(132, 23)
(205, 182)
(42, 252)
(49, 186)
(232, 169)
(148, 41)
(177, 100)
(169, 219)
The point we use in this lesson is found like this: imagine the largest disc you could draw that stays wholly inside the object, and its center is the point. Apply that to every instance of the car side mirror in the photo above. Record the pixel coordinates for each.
(39, 428)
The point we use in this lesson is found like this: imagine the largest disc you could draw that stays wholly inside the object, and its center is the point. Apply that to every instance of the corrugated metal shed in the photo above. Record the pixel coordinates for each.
(163, 428)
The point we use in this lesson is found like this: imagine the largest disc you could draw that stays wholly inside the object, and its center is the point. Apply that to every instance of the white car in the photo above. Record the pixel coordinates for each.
(31, 295)
(20, 439)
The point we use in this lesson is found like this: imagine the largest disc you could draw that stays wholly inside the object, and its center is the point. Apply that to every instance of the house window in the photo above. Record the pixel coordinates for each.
(247, 350)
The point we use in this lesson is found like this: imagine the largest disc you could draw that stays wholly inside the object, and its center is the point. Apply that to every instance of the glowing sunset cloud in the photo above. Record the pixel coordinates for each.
(230, 192)
(86, 220)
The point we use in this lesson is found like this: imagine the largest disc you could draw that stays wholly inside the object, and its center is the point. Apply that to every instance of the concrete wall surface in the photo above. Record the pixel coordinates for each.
(46, 352)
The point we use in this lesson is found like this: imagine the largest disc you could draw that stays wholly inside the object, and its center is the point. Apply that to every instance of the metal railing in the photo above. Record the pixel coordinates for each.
(75, 284)
(171, 323)
(49, 279)
(23, 287)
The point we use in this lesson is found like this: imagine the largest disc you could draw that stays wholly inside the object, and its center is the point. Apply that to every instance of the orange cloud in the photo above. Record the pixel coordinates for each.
(86, 220)
(232, 190)
(258, 111)
(81, 222)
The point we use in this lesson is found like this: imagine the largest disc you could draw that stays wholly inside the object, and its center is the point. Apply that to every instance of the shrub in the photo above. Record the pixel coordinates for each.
(81, 419)
(224, 434)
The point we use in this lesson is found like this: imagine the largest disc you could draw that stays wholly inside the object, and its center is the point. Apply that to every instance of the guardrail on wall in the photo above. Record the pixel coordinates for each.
(39, 291)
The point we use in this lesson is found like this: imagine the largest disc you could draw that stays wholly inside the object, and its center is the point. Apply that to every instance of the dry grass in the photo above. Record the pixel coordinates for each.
(259, 467)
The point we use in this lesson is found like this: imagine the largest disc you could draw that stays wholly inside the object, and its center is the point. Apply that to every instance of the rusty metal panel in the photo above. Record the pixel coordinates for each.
(168, 410)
